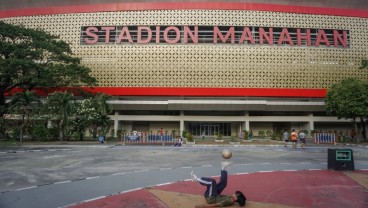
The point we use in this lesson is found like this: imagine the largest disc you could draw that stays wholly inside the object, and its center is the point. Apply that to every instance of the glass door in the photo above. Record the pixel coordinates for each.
(204, 130)
(214, 129)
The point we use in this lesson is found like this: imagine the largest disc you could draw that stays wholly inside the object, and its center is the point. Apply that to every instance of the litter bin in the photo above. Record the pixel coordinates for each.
(340, 159)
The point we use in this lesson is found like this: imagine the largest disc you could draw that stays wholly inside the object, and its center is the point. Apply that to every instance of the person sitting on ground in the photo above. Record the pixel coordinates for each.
(213, 192)
(101, 139)
(179, 142)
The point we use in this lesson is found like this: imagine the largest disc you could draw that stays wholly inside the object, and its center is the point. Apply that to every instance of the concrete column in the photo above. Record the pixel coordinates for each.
(247, 121)
(116, 124)
(311, 124)
(247, 125)
(181, 122)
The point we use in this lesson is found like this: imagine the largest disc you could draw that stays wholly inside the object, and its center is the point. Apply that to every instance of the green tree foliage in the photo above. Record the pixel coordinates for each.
(99, 121)
(40, 132)
(348, 99)
(32, 58)
(25, 103)
(79, 122)
(59, 106)
(91, 113)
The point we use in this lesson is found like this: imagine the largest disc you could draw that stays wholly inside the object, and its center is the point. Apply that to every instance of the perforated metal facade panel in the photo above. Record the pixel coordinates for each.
(239, 66)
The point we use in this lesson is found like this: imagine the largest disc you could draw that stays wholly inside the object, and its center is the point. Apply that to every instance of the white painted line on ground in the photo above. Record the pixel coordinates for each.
(165, 168)
(266, 171)
(136, 189)
(62, 182)
(92, 177)
(26, 188)
(186, 167)
(139, 171)
(118, 174)
(88, 200)
(163, 184)
(245, 173)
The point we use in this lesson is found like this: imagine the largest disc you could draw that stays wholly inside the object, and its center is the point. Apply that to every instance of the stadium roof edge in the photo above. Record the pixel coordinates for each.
(112, 7)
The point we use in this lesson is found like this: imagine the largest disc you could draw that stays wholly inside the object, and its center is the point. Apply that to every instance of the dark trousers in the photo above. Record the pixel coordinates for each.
(213, 188)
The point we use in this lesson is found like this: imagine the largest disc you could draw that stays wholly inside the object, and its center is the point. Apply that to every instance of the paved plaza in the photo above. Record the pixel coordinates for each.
(112, 175)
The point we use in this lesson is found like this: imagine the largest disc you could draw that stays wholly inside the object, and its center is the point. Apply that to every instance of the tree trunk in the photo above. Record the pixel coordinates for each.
(363, 128)
(356, 132)
(21, 134)
(2, 104)
(94, 132)
(80, 136)
(61, 130)
(21, 129)
(2, 112)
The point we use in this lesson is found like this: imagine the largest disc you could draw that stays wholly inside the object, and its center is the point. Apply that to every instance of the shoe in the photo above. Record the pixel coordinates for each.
(193, 176)
(225, 165)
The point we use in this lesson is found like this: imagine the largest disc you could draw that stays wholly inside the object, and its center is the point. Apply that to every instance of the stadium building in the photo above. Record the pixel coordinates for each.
(211, 67)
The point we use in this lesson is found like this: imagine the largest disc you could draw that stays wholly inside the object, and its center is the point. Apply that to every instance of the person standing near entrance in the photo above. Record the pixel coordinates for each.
(302, 138)
(352, 134)
(294, 138)
(161, 133)
(285, 136)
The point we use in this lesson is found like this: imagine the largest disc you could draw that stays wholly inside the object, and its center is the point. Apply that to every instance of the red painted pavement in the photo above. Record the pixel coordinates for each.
(309, 188)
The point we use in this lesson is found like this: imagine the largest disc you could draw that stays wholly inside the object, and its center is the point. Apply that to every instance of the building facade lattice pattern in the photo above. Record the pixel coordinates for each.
(210, 65)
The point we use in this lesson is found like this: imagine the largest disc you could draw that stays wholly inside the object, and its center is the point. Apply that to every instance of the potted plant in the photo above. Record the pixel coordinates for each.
(261, 133)
(268, 133)
(219, 137)
(245, 134)
(119, 133)
(234, 140)
(189, 138)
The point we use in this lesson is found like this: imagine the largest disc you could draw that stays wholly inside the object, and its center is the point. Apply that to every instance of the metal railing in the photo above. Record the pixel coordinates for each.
(146, 138)
(325, 138)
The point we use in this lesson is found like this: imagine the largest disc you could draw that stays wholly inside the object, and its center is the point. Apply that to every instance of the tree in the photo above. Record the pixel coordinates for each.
(34, 59)
(24, 103)
(79, 122)
(100, 121)
(60, 105)
(348, 99)
(91, 113)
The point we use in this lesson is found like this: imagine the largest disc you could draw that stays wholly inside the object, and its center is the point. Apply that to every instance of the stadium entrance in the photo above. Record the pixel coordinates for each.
(209, 129)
